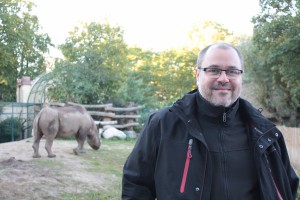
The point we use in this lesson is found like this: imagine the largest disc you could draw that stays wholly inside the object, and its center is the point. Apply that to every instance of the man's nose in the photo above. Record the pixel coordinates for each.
(223, 77)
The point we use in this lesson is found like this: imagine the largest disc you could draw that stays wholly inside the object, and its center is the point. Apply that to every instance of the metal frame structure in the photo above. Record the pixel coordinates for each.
(24, 112)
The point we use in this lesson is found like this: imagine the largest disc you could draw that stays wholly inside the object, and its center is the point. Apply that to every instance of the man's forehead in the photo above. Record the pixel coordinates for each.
(228, 54)
(215, 48)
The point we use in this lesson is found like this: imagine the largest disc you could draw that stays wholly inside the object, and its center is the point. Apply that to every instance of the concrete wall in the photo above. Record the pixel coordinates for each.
(23, 89)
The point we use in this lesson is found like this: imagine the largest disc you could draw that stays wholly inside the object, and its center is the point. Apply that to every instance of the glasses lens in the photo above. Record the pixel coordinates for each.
(215, 73)
(232, 72)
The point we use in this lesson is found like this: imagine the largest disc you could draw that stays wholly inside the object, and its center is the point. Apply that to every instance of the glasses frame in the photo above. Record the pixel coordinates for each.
(220, 71)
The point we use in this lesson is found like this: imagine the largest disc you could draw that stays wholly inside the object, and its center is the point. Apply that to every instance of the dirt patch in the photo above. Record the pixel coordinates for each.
(24, 177)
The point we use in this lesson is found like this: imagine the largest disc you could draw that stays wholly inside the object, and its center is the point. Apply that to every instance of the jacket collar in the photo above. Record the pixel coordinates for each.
(254, 118)
(192, 104)
(216, 114)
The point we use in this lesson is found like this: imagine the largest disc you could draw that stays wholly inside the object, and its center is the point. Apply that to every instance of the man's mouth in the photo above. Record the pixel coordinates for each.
(222, 88)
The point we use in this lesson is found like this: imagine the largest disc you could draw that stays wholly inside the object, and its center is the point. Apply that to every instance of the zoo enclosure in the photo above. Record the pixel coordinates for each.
(16, 120)
(124, 118)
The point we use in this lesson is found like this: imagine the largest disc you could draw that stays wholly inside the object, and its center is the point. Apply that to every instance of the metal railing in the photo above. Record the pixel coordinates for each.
(16, 120)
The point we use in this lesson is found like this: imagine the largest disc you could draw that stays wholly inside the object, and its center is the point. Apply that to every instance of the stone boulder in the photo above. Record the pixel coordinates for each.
(108, 132)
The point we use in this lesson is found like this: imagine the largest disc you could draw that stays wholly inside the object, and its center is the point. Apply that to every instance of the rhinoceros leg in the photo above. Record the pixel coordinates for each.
(37, 137)
(80, 141)
(48, 147)
(77, 151)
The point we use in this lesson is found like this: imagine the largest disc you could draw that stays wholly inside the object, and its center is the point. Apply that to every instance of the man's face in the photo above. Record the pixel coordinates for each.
(220, 91)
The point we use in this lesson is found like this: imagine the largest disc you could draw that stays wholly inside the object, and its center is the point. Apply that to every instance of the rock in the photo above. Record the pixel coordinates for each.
(110, 132)
(131, 134)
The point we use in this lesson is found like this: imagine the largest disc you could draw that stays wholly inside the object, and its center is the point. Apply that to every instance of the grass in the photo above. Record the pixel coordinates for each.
(53, 164)
(109, 161)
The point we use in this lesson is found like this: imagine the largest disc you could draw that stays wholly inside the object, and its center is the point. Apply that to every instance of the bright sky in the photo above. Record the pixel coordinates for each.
(150, 24)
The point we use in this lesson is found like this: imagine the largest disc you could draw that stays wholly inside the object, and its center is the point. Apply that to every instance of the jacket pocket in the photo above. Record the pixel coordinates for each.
(186, 166)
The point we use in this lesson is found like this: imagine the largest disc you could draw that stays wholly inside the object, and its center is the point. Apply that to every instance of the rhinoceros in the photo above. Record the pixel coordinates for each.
(64, 122)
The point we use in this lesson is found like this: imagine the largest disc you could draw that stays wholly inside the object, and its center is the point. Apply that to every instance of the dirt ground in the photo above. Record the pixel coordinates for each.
(22, 179)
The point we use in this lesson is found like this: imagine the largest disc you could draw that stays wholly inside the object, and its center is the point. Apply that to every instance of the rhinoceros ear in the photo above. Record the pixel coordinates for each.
(98, 125)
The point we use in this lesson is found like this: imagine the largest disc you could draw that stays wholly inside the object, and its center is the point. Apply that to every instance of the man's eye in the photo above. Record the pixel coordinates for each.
(233, 72)
(213, 70)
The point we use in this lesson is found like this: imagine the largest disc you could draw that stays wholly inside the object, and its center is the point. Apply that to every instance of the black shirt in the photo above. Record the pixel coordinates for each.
(234, 173)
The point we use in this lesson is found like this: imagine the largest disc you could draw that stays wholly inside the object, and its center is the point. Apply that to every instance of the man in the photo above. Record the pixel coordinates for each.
(211, 144)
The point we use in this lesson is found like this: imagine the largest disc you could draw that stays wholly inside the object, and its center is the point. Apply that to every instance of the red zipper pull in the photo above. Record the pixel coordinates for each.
(186, 166)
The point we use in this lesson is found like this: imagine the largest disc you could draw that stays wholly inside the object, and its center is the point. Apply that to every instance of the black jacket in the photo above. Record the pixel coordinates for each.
(171, 161)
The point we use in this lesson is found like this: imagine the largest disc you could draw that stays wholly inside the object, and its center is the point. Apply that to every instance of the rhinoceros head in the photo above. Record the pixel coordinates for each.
(93, 138)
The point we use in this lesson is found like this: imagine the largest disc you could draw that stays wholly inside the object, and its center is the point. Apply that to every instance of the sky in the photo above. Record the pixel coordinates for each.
(150, 24)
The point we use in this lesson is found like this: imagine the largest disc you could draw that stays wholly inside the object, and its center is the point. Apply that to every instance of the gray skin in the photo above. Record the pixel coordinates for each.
(64, 122)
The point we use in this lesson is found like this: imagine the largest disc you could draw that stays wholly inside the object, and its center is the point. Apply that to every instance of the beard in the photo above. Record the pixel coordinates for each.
(219, 94)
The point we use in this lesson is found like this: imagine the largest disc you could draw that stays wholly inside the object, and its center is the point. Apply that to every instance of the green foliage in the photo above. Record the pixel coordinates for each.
(138, 83)
(276, 42)
(78, 83)
(100, 68)
(94, 65)
(11, 129)
(174, 74)
(209, 32)
(158, 79)
(21, 45)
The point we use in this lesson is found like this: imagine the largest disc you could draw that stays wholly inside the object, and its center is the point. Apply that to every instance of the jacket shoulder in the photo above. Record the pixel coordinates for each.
(160, 114)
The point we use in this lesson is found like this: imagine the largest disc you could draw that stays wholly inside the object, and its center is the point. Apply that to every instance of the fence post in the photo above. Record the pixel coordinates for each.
(12, 123)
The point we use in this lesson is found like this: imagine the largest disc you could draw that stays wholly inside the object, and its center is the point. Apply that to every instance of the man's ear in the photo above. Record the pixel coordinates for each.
(197, 72)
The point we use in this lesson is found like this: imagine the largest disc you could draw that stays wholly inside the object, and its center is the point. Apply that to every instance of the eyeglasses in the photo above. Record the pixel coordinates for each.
(216, 72)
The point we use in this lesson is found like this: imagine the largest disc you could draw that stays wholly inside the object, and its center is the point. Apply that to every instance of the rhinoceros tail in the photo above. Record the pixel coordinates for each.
(35, 127)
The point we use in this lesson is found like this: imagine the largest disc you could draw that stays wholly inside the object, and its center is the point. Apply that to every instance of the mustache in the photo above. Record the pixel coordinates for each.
(223, 86)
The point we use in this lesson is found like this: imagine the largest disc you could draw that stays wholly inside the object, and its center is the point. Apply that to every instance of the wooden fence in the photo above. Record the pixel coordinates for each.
(124, 118)
(292, 139)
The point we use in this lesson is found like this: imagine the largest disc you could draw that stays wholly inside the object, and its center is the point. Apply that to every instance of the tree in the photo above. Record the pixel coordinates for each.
(174, 74)
(21, 45)
(276, 40)
(168, 75)
(137, 86)
(94, 65)
(208, 32)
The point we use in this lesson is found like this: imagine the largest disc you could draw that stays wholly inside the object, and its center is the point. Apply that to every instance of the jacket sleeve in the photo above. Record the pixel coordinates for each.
(138, 171)
(292, 176)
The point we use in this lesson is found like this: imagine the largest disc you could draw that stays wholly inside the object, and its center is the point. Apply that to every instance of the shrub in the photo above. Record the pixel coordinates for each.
(11, 129)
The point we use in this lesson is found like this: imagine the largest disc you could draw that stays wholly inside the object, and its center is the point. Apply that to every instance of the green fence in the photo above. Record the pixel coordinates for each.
(16, 120)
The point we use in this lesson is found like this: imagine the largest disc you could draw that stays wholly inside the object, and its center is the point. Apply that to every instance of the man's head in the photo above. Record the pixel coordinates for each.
(219, 87)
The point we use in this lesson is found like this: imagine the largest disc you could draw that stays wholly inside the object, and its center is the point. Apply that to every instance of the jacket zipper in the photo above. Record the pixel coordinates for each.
(223, 155)
(258, 130)
(224, 117)
(186, 166)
